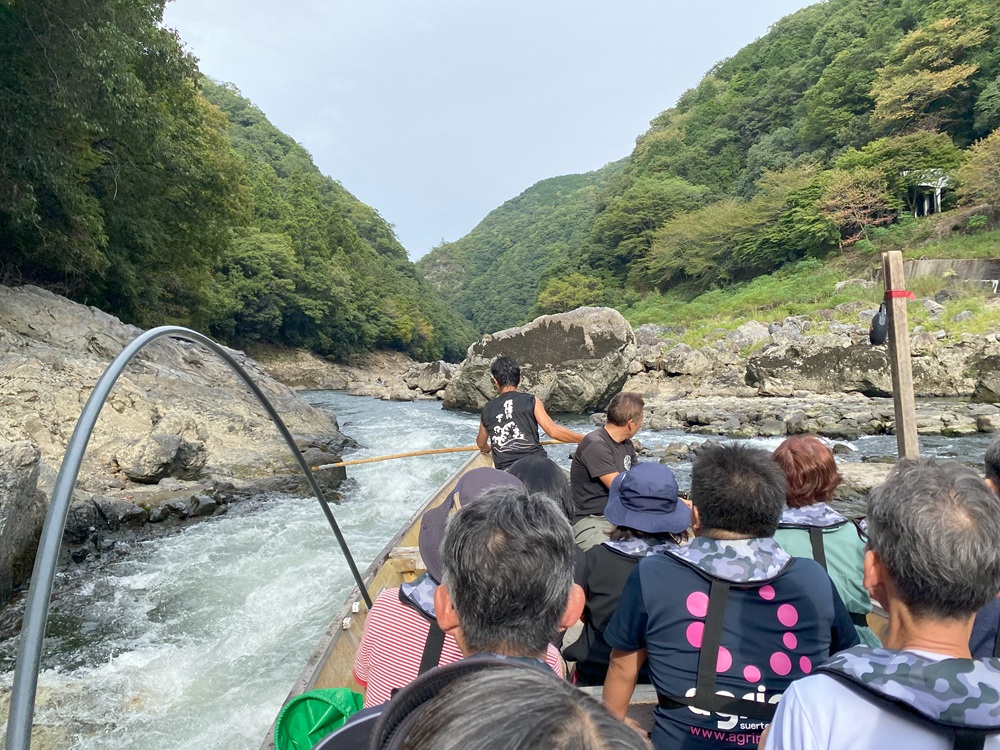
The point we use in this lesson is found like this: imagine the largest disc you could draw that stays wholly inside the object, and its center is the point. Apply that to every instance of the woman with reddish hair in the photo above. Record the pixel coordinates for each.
(810, 528)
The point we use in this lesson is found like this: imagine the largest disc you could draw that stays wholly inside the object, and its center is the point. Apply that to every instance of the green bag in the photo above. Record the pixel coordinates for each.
(308, 718)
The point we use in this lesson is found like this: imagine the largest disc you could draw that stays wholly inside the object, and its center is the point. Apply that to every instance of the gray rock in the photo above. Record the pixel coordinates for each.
(683, 360)
(202, 505)
(156, 456)
(430, 377)
(22, 513)
(573, 361)
(932, 307)
(820, 364)
(962, 316)
(749, 334)
(771, 427)
(841, 449)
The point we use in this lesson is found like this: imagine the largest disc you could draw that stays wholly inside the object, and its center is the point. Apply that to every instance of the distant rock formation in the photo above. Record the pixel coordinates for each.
(574, 361)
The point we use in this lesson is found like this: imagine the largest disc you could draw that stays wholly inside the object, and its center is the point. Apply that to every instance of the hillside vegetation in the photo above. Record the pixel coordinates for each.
(130, 183)
(809, 144)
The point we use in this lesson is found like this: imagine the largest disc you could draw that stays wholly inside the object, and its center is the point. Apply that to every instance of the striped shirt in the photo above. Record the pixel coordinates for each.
(393, 642)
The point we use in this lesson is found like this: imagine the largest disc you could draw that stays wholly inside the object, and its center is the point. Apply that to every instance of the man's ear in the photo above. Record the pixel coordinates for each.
(874, 576)
(993, 486)
(574, 607)
(444, 608)
(695, 519)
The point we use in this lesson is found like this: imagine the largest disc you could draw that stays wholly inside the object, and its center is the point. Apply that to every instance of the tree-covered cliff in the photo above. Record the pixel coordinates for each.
(812, 139)
(129, 183)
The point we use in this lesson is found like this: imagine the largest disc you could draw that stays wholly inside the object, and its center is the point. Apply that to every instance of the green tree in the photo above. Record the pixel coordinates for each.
(979, 177)
(569, 292)
(926, 77)
(856, 201)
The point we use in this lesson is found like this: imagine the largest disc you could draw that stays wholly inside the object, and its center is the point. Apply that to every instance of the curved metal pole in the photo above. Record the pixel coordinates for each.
(22, 701)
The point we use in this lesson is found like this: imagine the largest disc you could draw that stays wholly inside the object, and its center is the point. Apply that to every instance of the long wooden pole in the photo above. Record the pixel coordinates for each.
(411, 454)
(899, 355)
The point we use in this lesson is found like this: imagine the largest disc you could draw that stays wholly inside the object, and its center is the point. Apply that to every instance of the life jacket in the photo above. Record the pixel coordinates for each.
(815, 519)
(762, 563)
(955, 697)
(419, 595)
(638, 547)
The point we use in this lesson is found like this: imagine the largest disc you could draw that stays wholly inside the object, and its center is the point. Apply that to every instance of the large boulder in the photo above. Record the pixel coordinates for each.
(573, 362)
(828, 363)
(157, 456)
(430, 377)
(22, 513)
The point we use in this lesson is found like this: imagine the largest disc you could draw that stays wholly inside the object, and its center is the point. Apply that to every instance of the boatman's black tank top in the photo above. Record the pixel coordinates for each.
(510, 423)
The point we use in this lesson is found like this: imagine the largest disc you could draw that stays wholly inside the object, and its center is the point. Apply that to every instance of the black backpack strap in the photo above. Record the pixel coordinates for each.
(708, 659)
(818, 550)
(432, 648)
(996, 644)
(860, 620)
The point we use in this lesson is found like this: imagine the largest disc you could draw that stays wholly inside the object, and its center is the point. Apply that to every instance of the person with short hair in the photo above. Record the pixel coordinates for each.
(985, 638)
(506, 588)
(809, 527)
(402, 637)
(648, 517)
(932, 561)
(508, 426)
(505, 707)
(729, 620)
(601, 456)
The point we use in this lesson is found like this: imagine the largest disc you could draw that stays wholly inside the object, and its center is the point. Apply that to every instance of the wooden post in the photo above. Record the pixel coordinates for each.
(899, 356)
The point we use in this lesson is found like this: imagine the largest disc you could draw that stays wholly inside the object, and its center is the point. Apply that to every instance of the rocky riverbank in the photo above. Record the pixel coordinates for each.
(180, 436)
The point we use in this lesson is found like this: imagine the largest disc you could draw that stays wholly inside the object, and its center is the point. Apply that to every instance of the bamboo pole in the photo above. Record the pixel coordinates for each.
(904, 404)
(411, 454)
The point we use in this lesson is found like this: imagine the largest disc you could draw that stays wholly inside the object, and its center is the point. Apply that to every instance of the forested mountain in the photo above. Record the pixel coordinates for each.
(804, 142)
(494, 274)
(130, 183)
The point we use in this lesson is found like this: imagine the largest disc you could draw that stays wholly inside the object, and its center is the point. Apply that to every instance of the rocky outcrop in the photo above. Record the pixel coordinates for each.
(574, 361)
(22, 512)
(177, 413)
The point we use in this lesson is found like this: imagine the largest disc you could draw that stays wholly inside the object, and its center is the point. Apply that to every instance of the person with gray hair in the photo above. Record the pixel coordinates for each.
(506, 589)
(985, 638)
(508, 584)
(933, 560)
(501, 706)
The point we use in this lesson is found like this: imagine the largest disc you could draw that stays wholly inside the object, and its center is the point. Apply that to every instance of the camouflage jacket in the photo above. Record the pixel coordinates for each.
(950, 693)
(734, 560)
(639, 547)
(420, 595)
(819, 515)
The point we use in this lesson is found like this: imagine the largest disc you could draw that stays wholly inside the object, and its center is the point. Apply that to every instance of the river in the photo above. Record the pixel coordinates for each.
(192, 640)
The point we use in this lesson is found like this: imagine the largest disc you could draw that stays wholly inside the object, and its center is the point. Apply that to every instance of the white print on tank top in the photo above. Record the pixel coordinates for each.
(505, 432)
(627, 463)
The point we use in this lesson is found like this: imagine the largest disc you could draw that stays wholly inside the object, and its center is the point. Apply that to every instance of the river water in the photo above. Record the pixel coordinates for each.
(192, 641)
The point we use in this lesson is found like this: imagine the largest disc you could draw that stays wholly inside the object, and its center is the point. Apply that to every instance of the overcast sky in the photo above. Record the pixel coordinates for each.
(435, 112)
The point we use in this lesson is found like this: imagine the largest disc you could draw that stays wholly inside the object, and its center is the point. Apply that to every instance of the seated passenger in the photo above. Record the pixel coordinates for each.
(728, 620)
(540, 473)
(506, 591)
(648, 517)
(600, 457)
(932, 561)
(809, 527)
(401, 637)
(985, 639)
(489, 705)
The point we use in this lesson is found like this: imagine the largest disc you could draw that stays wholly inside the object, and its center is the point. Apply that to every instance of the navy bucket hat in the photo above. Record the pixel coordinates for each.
(645, 498)
(470, 486)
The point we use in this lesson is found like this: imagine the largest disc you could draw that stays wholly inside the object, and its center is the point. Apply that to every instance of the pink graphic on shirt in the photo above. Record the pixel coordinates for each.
(780, 663)
(725, 660)
(805, 665)
(751, 673)
(766, 592)
(695, 631)
(697, 603)
(788, 615)
(790, 641)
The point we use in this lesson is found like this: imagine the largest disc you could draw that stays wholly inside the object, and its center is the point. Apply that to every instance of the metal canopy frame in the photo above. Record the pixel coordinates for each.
(22, 702)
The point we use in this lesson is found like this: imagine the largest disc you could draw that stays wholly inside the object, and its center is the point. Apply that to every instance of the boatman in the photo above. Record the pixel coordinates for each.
(603, 454)
(509, 424)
